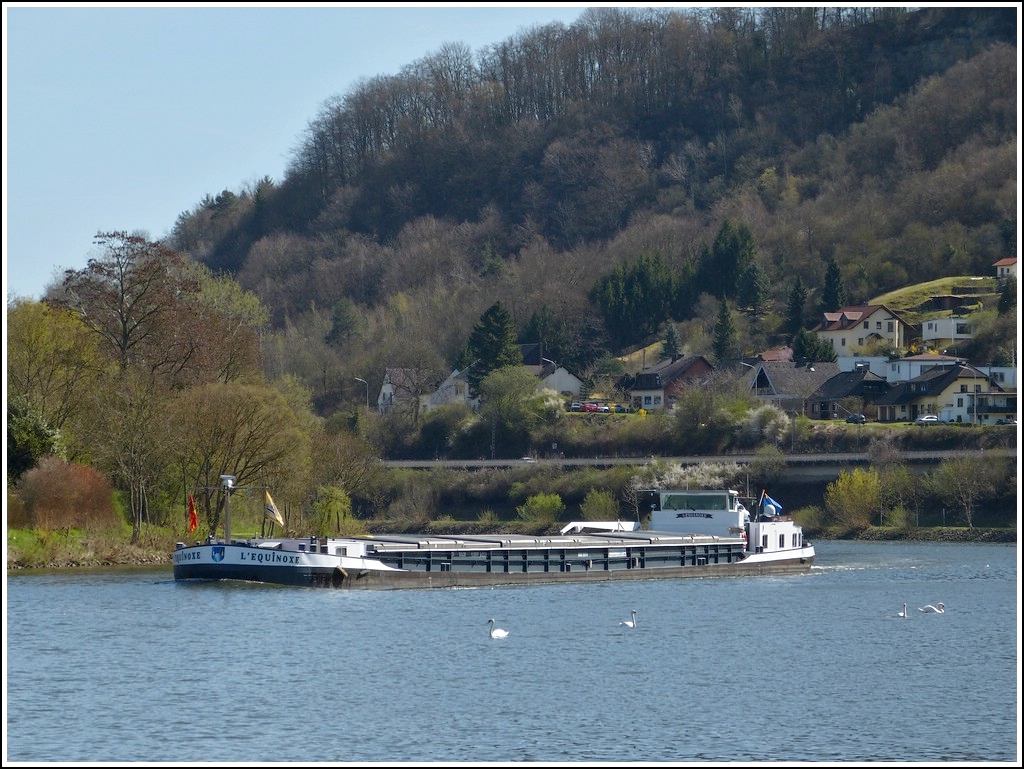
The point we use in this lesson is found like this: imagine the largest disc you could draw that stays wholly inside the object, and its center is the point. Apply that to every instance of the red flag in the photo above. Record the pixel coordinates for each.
(193, 518)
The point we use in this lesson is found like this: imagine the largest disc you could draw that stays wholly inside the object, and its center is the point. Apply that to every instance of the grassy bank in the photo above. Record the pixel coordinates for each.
(70, 548)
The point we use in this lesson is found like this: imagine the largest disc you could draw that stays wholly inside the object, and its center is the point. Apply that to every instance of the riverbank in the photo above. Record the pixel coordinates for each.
(942, 534)
(68, 550)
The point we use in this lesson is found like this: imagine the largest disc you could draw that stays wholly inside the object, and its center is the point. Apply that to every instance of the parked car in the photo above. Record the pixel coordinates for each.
(856, 419)
(604, 408)
(589, 407)
(1007, 421)
(927, 419)
(575, 406)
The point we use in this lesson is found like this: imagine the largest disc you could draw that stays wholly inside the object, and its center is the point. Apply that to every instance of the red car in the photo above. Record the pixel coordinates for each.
(589, 407)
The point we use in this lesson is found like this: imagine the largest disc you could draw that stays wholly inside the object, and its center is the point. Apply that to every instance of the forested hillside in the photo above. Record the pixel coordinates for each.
(641, 176)
(724, 152)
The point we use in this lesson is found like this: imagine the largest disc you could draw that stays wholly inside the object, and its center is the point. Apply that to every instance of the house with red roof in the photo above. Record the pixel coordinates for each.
(1006, 268)
(852, 330)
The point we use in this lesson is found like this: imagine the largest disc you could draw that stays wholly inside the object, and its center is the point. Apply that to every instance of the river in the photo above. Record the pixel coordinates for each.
(126, 665)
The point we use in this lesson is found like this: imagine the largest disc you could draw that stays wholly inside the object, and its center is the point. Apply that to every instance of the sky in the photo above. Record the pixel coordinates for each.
(122, 117)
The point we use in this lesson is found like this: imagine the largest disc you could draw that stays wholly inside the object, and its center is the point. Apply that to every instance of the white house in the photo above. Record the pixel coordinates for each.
(957, 393)
(454, 389)
(1006, 268)
(853, 329)
(560, 380)
(943, 332)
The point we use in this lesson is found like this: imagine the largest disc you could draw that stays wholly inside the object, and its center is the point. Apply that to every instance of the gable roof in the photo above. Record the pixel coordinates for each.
(847, 317)
(845, 384)
(670, 370)
(1008, 261)
(785, 378)
(932, 383)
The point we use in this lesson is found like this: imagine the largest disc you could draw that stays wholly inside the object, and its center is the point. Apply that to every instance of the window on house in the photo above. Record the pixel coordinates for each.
(860, 340)
(959, 403)
(963, 388)
(866, 324)
(842, 342)
(878, 324)
(890, 327)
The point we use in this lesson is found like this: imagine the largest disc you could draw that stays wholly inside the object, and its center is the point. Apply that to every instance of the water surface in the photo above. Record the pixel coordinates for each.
(127, 665)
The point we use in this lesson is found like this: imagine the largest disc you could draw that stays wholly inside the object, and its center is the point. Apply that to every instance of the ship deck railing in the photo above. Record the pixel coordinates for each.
(394, 543)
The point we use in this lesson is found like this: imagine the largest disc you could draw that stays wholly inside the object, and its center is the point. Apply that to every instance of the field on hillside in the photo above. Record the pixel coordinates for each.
(908, 301)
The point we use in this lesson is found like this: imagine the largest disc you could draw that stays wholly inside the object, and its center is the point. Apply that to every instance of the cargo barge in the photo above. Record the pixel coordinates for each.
(691, 533)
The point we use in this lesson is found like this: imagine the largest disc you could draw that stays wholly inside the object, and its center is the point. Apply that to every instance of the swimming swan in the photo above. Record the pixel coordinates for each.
(631, 622)
(497, 632)
(940, 609)
(903, 613)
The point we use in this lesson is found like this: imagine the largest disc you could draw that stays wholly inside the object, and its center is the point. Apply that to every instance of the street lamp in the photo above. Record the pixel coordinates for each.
(365, 384)
(228, 481)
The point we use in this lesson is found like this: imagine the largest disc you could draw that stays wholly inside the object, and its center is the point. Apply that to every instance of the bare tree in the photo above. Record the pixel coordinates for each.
(127, 421)
(136, 298)
(965, 481)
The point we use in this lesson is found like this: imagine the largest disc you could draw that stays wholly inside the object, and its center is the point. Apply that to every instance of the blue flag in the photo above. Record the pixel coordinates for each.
(769, 501)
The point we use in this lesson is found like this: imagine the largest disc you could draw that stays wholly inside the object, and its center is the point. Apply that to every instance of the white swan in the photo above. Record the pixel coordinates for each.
(940, 609)
(631, 622)
(497, 632)
(903, 613)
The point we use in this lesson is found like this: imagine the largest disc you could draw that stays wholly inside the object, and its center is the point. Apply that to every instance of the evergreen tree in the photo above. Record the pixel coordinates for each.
(795, 307)
(753, 289)
(492, 345)
(672, 346)
(808, 346)
(834, 295)
(635, 299)
(726, 344)
(551, 332)
(345, 321)
(730, 255)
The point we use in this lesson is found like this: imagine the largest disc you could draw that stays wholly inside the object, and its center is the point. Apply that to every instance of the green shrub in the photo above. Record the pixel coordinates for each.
(599, 506)
(541, 509)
